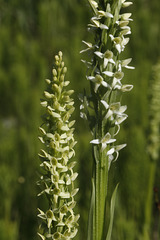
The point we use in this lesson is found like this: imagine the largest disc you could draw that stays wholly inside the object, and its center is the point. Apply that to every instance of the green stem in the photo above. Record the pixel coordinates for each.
(97, 202)
(101, 179)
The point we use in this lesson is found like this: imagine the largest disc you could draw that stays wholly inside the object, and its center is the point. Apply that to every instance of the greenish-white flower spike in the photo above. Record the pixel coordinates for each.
(57, 180)
(154, 115)
(106, 71)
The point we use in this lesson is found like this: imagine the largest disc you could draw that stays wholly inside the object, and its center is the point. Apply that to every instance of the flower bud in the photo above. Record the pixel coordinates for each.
(64, 70)
(48, 81)
(54, 71)
(62, 78)
(56, 58)
(55, 88)
(60, 54)
(48, 95)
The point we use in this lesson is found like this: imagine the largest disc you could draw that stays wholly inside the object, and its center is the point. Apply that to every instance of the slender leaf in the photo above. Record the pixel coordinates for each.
(112, 207)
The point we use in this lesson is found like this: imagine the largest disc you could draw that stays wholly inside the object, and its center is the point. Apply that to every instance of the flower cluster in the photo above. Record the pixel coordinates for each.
(57, 179)
(105, 72)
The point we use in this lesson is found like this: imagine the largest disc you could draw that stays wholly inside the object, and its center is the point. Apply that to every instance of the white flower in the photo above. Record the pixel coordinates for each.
(116, 84)
(97, 24)
(119, 42)
(114, 108)
(107, 56)
(49, 216)
(126, 16)
(98, 80)
(117, 110)
(104, 141)
(105, 14)
(117, 76)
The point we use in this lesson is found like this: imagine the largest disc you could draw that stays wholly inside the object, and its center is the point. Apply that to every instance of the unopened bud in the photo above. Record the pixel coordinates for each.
(48, 81)
(56, 58)
(70, 92)
(62, 64)
(60, 54)
(64, 69)
(48, 95)
(54, 72)
(62, 78)
(55, 88)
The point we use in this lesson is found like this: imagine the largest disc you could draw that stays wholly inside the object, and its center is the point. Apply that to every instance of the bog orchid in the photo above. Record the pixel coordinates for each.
(102, 108)
(57, 178)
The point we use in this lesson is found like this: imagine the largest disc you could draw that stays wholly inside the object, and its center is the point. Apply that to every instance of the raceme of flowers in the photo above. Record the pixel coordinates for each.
(103, 108)
(57, 175)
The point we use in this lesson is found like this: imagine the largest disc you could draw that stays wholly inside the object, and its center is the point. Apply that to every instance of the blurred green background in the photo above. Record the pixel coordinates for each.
(31, 33)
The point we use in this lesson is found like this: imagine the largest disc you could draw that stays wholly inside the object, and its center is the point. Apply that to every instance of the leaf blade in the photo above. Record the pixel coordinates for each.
(112, 207)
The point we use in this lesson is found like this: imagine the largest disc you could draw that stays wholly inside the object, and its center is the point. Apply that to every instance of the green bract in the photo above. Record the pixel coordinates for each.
(57, 179)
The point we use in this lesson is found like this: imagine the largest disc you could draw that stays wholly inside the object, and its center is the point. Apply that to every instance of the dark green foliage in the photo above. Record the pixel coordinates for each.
(31, 32)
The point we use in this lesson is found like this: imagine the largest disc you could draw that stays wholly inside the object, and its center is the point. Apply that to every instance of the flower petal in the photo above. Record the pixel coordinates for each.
(104, 84)
(106, 137)
(126, 88)
(111, 151)
(95, 141)
(105, 63)
(105, 104)
(88, 44)
(91, 78)
(103, 26)
(129, 67)
(121, 146)
(108, 73)
(104, 145)
(127, 4)
(99, 54)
